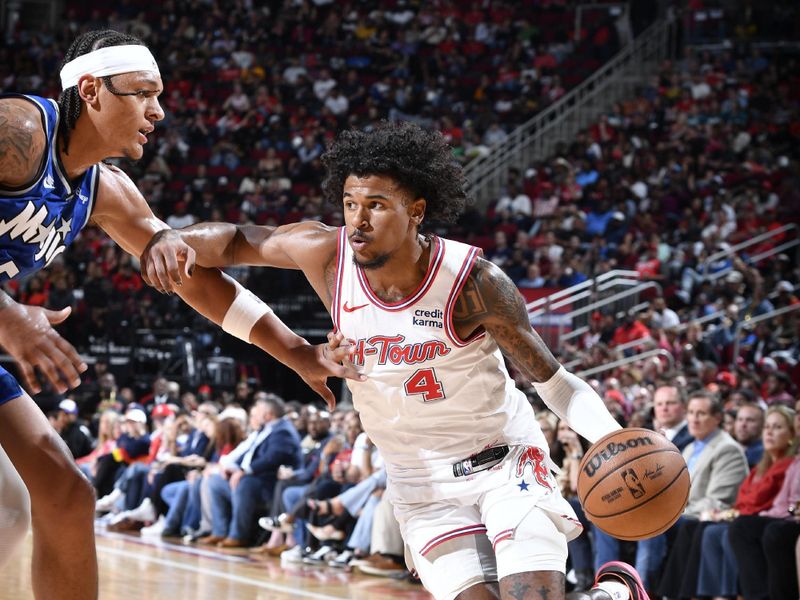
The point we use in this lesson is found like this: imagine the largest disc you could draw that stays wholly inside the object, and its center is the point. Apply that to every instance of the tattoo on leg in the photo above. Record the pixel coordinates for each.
(544, 592)
(519, 590)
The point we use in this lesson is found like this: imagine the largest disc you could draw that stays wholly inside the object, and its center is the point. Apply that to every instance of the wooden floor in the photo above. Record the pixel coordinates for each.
(134, 568)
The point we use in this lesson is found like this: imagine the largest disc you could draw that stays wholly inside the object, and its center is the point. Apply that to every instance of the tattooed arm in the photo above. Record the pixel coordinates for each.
(22, 142)
(491, 301)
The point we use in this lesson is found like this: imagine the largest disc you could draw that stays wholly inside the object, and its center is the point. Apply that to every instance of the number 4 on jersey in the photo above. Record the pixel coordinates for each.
(424, 382)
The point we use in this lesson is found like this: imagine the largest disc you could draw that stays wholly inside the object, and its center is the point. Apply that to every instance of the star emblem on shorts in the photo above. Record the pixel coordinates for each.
(523, 487)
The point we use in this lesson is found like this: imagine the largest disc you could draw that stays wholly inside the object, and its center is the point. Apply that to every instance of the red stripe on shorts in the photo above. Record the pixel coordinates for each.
(450, 535)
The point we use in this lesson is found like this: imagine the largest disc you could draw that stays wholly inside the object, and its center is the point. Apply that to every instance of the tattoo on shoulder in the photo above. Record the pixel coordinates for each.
(21, 144)
(495, 302)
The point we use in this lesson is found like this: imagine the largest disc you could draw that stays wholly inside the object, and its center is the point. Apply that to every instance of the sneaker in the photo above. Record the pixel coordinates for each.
(107, 502)
(321, 556)
(381, 566)
(293, 555)
(156, 529)
(325, 532)
(342, 561)
(622, 573)
(357, 562)
(279, 523)
(145, 512)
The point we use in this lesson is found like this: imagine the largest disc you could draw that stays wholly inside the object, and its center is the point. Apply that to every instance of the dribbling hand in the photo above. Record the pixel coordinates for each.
(27, 334)
(161, 258)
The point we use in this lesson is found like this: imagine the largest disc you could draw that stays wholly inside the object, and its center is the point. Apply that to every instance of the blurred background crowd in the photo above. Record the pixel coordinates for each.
(689, 186)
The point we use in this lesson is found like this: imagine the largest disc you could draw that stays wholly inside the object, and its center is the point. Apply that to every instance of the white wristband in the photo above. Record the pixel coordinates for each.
(243, 313)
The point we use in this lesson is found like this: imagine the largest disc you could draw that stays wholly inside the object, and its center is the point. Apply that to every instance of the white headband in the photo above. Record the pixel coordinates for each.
(112, 60)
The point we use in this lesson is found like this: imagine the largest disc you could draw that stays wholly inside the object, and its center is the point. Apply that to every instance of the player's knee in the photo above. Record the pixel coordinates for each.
(66, 486)
(15, 516)
(535, 545)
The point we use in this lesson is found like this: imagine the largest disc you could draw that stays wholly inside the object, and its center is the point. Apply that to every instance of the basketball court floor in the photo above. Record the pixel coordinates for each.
(136, 568)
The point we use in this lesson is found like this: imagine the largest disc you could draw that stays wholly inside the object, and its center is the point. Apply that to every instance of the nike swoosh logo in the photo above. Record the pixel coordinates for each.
(352, 308)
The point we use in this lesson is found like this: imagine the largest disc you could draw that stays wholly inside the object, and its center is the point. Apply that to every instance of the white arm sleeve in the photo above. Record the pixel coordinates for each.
(575, 402)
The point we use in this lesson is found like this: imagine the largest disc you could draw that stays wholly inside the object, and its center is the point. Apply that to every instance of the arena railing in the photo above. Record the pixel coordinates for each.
(752, 322)
(551, 325)
(626, 361)
(537, 138)
(735, 249)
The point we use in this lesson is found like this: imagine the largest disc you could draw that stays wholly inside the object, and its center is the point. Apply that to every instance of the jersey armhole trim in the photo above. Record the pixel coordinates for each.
(461, 280)
(337, 291)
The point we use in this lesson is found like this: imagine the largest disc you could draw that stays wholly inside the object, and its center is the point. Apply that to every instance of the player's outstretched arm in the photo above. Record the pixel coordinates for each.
(291, 246)
(122, 212)
(491, 300)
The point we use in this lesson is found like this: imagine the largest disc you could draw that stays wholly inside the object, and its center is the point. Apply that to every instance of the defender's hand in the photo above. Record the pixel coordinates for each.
(27, 334)
(161, 260)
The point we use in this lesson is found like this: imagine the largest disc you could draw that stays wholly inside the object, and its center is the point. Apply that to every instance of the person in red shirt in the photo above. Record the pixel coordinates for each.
(631, 329)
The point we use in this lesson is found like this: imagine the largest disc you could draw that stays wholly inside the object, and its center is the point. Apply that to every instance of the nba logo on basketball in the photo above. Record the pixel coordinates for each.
(534, 457)
(635, 486)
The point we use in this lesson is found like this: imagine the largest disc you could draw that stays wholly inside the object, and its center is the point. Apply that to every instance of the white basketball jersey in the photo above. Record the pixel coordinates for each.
(431, 398)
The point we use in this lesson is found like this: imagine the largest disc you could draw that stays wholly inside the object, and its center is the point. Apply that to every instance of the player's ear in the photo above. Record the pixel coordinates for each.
(88, 89)
(417, 211)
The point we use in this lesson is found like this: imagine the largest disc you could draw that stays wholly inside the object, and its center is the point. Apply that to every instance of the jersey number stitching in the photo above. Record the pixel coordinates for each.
(424, 382)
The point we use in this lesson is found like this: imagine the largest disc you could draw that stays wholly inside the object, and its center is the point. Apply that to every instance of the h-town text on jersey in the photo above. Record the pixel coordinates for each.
(390, 349)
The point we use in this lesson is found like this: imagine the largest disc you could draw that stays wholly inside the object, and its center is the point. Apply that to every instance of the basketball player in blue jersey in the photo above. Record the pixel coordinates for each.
(428, 321)
(52, 184)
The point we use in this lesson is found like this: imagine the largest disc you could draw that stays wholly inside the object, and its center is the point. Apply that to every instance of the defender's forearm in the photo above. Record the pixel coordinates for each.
(214, 243)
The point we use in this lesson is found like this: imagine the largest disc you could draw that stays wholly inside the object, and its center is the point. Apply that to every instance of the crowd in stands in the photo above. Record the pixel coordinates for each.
(703, 158)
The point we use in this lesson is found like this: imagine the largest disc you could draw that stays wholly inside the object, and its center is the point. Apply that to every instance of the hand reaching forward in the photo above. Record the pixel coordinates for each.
(27, 334)
(333, 359)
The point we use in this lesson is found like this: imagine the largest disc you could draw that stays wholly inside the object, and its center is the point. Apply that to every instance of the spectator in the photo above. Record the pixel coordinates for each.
(718, 567)
(75, 436)
(669, 407)
(747, 431)
(249, 474)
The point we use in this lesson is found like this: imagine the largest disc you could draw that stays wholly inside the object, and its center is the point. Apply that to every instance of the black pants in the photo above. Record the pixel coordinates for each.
(764, 549)
(107, 472)
(679, 578)
(170, 474)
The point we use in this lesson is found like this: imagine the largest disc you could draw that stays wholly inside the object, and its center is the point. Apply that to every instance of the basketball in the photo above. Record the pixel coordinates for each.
(633, 484)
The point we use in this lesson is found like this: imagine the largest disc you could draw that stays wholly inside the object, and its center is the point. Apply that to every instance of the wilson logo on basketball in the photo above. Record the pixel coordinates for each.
(612, 450)
(534, 457)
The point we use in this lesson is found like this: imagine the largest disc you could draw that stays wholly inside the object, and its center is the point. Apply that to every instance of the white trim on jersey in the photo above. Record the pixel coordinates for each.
(461, 280)
(437, 256)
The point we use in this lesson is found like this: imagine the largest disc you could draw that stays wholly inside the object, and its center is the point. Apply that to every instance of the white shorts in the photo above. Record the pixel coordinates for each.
(520, 524)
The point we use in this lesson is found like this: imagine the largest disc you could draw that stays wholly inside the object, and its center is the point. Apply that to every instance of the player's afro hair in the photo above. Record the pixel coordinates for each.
(420, 161)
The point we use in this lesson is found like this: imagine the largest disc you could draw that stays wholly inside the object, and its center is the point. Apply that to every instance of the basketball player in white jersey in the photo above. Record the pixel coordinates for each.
(426, 319)
(52, 183)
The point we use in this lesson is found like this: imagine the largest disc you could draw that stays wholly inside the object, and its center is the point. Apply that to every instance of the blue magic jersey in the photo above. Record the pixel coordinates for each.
(39, 221)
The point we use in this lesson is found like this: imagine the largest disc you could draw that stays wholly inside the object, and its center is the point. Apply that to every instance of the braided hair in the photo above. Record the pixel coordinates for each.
(69, 102)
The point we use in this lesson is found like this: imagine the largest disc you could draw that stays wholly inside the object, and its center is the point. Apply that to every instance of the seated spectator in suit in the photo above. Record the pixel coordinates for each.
(669, 406)
(248, 474)
(699, 555)
(747, 431)
(717, 467)
(319, 424)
